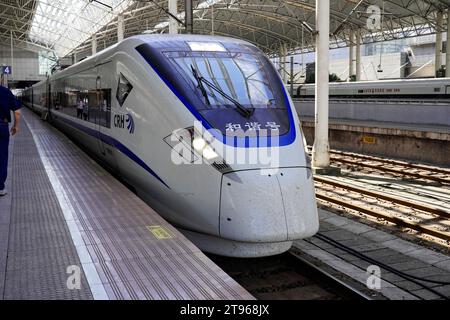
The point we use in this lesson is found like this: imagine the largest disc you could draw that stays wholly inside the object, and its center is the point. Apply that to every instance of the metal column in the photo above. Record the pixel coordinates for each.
(173, 23)
(120, 29)
(292, 76)
(12, 57)
(447, 54)
(351, 56)
(439, 29)
(321, 148)
(358, 55)
(94, 44)
(283, 62)
(189, 16)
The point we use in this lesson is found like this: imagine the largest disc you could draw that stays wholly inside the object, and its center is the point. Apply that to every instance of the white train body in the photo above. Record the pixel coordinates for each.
(395, 89)
(233, 209)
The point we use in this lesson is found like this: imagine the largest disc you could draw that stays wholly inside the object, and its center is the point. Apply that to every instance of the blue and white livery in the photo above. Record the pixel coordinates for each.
(134, 104)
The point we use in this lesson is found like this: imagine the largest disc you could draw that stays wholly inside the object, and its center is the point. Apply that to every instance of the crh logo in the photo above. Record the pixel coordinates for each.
(130, 123)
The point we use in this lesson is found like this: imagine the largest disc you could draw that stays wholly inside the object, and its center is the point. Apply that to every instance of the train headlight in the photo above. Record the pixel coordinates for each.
(199, 144)
(202, 147)
(209, 153)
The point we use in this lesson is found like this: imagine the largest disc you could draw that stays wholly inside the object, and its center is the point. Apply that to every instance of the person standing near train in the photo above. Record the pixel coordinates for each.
(8, 103)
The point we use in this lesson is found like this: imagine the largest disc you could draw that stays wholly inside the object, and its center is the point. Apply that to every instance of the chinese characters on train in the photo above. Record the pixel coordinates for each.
(252, 126)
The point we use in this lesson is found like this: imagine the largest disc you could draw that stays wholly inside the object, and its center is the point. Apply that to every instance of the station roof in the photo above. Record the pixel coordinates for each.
(66, 26)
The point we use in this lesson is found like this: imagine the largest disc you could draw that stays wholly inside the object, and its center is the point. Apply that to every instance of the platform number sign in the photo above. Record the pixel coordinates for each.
(6, 70)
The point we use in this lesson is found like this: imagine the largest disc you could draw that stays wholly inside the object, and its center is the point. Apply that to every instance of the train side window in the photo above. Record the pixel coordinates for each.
(124, 88)
(437, 89)
(104, 107)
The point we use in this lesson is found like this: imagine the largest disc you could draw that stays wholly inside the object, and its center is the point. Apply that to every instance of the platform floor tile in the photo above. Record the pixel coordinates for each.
(67, 210)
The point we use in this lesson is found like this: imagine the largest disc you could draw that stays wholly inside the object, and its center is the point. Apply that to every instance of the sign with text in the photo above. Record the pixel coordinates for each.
(5, 70)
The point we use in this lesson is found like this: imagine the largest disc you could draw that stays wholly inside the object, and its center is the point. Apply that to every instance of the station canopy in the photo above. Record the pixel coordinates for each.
(66, 26)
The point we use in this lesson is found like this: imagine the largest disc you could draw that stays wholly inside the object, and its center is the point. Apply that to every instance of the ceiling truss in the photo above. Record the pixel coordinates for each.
(268, 24)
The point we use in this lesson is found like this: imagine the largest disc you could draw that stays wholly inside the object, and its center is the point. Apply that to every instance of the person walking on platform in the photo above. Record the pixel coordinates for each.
(8, 103)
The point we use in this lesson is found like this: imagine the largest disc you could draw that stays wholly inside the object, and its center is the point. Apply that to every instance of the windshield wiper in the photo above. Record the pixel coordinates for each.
(200, 84)
(246, 112)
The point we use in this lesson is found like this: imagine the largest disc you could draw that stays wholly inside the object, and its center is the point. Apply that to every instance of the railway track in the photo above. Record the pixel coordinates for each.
(422, 218)
(287, 277)
(424, 283)
(297, 276)
(395, 167)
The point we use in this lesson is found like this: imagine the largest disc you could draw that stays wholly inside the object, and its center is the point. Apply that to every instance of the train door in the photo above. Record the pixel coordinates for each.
(48, 101)
(99, 115)
(103, 115)
(447, 90)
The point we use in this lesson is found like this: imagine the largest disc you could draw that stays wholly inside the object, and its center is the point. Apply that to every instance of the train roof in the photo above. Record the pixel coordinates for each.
(393, 81)
(154, 40)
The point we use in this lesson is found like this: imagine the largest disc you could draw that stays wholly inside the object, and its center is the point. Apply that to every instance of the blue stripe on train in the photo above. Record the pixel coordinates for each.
(114, 143)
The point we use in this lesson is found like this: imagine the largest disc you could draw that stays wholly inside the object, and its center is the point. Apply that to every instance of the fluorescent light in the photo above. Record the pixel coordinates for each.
(206, 46)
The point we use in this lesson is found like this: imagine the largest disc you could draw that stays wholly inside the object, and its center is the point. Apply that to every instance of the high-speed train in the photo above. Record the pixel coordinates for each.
(390, 89)
(172, 115)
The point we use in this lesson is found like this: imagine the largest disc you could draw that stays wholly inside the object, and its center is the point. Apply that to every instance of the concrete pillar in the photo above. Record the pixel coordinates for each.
(321, 148)
(439, 29)
(94, 44)
(358, 55)
(173, 9)
(120, 29)
(447, 54)
(351, 55)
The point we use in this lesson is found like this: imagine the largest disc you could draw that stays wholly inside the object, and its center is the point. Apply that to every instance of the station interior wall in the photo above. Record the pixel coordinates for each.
(391, 65)
(25, 66)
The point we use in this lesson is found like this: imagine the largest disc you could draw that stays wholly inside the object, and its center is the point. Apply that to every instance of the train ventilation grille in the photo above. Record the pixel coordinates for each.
(222, 167)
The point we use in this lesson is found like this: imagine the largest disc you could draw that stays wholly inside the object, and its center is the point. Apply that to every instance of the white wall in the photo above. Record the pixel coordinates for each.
(26, 64)
(390, 63)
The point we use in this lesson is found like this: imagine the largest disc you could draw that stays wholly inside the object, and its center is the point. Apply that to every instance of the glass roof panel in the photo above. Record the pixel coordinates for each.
(65, 24)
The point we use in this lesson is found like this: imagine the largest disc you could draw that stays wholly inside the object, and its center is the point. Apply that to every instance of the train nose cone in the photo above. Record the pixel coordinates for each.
(258, 206)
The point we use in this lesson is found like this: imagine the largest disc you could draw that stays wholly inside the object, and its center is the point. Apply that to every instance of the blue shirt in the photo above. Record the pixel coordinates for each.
(8, 103)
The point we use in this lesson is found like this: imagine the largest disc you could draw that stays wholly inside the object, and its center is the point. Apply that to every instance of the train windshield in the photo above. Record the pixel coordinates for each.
(239, 75)
(233, 91)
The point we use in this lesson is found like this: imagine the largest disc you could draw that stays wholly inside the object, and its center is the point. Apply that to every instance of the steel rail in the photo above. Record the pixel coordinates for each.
(391, 170)
(346, 286)
(393, 162)
(404, 202)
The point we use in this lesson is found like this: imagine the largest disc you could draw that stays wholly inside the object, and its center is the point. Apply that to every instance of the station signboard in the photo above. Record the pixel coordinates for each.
(5, 70)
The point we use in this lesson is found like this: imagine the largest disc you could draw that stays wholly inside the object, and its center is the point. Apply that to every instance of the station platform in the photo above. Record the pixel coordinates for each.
(424, 143)
(426, 273)
(438, 132)
(70, 230)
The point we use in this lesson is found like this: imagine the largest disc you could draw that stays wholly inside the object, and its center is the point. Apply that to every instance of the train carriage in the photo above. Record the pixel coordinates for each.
(170, 114)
